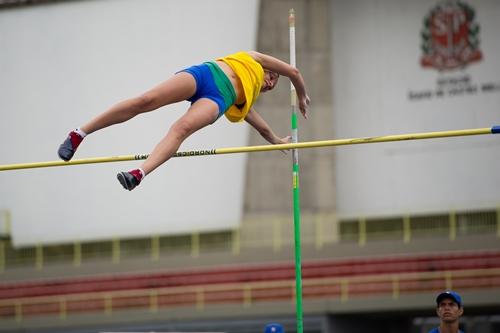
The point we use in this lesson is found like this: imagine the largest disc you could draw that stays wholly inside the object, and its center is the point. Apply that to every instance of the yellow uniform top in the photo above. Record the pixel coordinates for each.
(251, 75)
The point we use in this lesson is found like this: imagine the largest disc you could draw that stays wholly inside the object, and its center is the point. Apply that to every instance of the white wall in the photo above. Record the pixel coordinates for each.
(376, 64)
(64, 63)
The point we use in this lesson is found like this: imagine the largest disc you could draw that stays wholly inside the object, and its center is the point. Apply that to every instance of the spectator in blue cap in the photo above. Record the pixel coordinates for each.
(449, 309)
(274, 328)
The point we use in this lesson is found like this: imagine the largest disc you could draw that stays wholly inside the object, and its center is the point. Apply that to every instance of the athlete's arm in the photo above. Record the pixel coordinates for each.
(257, 122)
(276, 65)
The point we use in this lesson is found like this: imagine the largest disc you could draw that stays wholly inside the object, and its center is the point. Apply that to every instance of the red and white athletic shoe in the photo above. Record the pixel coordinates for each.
(130, 179)
(68, 147)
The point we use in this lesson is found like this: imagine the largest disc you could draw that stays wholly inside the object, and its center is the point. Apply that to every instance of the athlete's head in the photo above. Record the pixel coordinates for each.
(270, 80)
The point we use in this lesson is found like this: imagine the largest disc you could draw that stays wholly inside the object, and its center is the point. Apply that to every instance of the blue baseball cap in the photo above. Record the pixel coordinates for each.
(274, 328)
(451, 295)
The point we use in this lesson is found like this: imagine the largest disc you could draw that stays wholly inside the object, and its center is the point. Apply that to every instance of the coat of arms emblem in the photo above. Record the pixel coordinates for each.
(450, 36)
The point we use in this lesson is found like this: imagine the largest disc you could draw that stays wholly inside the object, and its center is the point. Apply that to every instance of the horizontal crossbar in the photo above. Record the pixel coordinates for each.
(252, 149)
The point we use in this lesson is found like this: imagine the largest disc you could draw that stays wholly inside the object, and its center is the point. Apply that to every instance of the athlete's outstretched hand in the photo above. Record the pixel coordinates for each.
(304, 105)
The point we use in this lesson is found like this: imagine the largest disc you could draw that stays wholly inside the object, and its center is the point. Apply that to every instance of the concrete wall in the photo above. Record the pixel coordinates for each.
(380, 87)
(65, 62)
(269, 176)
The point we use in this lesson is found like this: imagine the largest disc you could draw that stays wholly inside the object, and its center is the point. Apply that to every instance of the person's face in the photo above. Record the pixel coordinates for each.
(270, 81)
(449, 311)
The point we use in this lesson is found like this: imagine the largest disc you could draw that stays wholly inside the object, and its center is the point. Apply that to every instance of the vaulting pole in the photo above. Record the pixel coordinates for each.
(253, 149)
(295, 182)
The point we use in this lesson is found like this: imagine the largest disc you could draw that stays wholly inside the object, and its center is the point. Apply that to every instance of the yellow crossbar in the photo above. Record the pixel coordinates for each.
(251, 149)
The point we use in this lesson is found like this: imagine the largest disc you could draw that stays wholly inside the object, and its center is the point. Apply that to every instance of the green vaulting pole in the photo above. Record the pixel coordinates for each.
(295, 182)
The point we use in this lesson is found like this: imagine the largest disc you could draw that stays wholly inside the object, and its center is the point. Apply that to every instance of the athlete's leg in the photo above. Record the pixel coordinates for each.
(202, 113)
(178, 88)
